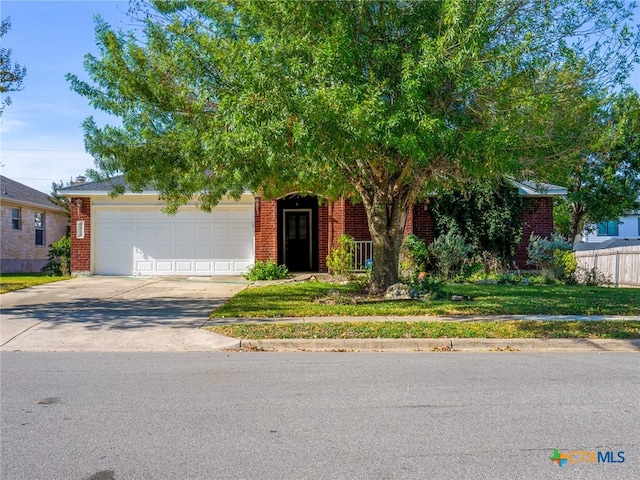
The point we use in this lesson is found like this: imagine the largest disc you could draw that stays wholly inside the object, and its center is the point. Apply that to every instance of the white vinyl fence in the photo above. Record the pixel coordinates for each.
(620, 265)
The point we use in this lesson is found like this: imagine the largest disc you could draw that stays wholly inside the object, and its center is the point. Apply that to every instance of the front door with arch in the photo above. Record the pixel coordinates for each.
(298, 236)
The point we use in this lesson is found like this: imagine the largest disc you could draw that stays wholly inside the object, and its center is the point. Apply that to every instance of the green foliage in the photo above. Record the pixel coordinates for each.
(340, 259)
(379, 101)
(414, 256)
(552, 257)
(59, 258)
(297, 299)
(450, 254)
(567, 265)
(17, 281)
(11, 76)
(266, 270)
(411, 329)
(604, 183)
(487, 215)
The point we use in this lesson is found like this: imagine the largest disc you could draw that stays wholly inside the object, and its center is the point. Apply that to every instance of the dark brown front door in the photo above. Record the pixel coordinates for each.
(297, 241)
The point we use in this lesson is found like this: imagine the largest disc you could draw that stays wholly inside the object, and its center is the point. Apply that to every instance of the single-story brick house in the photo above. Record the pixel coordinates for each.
(30, 223)
(130, 235)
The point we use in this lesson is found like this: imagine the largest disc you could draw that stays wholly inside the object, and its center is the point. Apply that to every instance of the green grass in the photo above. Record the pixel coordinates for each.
(508, 329)
(17, 281)
(297, 300)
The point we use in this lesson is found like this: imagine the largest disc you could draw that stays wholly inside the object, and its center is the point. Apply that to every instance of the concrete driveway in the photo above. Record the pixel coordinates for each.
(115, 314)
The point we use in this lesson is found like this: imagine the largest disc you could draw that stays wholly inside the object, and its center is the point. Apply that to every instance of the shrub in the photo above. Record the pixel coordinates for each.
(340, 259)
(567, 264)
(486, 214)
(59, 258)
(450, 254)
(414, 256)
(429, 285)
(266, 270)
(592, 277)
(551, 257)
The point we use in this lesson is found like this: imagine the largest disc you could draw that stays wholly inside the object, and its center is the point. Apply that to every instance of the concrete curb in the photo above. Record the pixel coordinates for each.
(446, 345)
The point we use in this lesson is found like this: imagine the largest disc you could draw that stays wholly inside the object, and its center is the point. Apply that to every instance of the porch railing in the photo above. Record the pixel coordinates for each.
(362, 251)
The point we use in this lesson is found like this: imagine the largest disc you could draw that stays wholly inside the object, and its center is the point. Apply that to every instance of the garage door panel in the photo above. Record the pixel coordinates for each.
(149, 242)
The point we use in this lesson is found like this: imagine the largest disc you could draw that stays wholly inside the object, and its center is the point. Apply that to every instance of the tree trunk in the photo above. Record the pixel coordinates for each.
(578, 214)
(386, 215)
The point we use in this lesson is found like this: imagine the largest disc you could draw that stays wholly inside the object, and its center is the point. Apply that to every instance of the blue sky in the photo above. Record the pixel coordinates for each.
(40, 133)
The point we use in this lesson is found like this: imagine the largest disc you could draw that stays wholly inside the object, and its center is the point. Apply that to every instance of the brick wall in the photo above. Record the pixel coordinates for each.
(81, 247)
(422, 222)
(355, 221)
(323, 236)
(18, 250)
(336, 218)
(538, 219)
(266, 229)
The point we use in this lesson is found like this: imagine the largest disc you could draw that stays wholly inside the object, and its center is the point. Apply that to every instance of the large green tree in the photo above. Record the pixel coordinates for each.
(11, 74)
(605, 182)
(378, 101)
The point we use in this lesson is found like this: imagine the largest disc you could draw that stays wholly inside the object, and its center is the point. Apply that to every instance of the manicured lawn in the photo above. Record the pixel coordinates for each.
(297, 300)
(507, 329)
(17, 281)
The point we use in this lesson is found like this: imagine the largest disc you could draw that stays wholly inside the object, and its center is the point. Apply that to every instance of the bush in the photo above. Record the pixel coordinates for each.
(429, 285)
(340, 259)
(414, 256)
(59, 258)
(450, 254)
(592, 277)
(266, 270)
(552, 257)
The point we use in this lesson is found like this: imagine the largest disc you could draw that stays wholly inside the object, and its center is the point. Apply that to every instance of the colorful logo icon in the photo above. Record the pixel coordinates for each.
(559, 458)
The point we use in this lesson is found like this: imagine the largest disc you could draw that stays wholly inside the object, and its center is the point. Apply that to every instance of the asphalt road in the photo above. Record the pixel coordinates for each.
(105, 416)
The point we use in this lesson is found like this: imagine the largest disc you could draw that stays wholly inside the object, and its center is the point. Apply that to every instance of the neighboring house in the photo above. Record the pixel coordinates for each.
(624, 227)
(130, 235)
(30, 223)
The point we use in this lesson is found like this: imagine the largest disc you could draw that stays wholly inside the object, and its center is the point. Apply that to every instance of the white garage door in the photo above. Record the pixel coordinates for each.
(193, 242)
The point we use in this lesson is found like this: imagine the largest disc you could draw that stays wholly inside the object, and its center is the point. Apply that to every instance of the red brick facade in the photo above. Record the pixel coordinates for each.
(342, 216)
(538, 219)
(333, 219)
(81, 247)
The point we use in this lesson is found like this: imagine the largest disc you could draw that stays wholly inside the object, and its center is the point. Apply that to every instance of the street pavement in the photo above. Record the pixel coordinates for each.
(237, 415)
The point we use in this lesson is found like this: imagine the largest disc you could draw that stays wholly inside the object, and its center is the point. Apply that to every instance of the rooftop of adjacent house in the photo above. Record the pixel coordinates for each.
(611, 243)
(17, 192)
(531, 188)
(526, 188)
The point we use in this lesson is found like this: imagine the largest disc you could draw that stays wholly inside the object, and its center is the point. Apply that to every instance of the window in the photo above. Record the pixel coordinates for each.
(15, 218)
(639, 226)
(80, 229)
(608, 228)
(39, 224)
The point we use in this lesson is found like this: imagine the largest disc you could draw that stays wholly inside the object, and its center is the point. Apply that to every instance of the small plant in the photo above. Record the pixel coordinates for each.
(592, 277)
(567, 265)
(430, 285)
(266, 270)
(414, 256)
(450, 254)
(551, 256)
(340, 259)
(58, 258)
